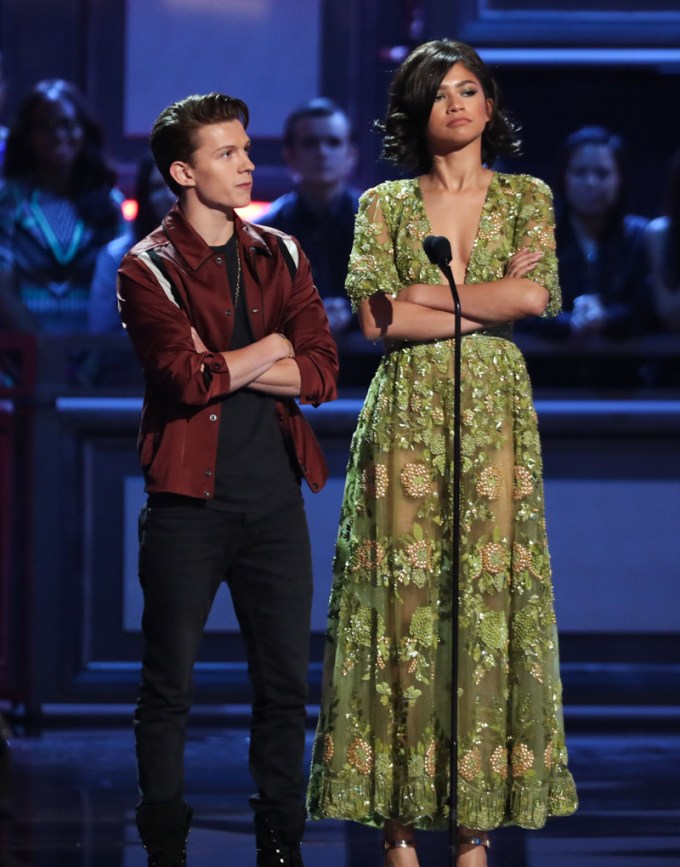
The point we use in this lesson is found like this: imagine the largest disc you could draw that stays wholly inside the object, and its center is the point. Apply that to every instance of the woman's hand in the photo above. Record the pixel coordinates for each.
(522, 262)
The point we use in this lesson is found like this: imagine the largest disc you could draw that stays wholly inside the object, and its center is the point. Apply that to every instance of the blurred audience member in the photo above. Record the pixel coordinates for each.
(3, 129)
(58, 207)
(154, 200)
(662, 238)
(600, 248)
(318, 148)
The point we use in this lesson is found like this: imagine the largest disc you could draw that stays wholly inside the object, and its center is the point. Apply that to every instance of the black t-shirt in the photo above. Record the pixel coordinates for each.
(254, 471)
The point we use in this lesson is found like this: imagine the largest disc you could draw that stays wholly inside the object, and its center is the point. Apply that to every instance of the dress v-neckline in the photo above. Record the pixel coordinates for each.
(482, 213)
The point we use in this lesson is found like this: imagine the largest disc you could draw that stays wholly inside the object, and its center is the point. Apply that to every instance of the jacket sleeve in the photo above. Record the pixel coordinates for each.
(160, 332)
(306, 326)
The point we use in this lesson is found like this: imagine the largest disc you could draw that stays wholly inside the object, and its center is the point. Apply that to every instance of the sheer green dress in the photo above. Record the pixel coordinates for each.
(383, 739)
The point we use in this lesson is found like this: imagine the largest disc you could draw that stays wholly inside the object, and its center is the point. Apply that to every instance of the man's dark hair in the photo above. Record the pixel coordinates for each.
(172, 136)
(412, 95)
(320, 106)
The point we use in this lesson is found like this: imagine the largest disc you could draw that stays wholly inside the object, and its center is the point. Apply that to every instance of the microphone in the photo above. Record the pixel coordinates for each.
(438, 250)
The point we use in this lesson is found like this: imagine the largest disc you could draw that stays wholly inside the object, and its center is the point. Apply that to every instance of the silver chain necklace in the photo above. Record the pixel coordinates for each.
(237, 293)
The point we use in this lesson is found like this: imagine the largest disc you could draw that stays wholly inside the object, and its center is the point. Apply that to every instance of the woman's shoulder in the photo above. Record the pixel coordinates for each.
(522, 184)
(390, 190)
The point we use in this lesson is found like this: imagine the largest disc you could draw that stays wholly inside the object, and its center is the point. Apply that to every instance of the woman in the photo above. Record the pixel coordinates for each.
(600, 247)
(382, 747)
(58, 208)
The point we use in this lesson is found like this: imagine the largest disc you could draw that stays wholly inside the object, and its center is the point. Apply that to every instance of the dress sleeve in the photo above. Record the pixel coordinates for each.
(372, 260)
(535, 230)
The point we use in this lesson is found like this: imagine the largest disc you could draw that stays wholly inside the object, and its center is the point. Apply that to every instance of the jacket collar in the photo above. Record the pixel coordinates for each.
(194, 250)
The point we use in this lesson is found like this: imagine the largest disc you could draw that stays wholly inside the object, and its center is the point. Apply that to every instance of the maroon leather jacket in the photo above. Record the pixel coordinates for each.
(167, 284)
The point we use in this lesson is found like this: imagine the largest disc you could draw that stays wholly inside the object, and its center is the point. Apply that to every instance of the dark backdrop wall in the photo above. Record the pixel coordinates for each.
(615, 62)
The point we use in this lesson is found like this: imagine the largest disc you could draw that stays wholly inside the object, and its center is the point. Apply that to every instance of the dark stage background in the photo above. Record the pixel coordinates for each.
(68, 469)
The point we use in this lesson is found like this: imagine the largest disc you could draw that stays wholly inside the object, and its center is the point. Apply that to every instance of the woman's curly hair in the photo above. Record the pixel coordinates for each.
(412, 95)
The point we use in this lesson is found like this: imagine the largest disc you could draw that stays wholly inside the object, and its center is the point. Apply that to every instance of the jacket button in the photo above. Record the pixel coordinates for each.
(213, 417)
(206, 493)
(218, 260)
(255, 310)
(315, 486)
(227, 312)
(208, 473)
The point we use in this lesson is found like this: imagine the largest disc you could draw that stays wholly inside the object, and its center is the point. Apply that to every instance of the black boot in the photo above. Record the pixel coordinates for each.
(277, 844)
(164, 829)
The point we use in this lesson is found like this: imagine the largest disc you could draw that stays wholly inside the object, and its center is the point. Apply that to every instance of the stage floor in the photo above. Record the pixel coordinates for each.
(74, 792)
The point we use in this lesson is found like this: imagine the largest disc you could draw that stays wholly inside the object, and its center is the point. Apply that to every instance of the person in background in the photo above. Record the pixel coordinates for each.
(58, 208)
(154, 199)
(4, 132)
(662, 239)
(320, 211)
(600, 247)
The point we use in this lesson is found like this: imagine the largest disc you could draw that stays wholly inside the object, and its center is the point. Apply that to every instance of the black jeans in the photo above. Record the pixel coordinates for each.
(185, 553)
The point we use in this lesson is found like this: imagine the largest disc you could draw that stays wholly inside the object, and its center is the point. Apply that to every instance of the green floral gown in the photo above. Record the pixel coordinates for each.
(383, 739)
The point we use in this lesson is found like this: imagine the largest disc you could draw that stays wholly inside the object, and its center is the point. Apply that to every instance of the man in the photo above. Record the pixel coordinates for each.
(320, 211)
(230, 329)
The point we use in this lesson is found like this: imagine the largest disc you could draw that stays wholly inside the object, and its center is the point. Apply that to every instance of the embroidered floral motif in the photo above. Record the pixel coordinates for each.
(375, 481)
(369, 555)
(360, 756)
(418, 554)
(524, 483)
(522, 760)
(494, 557)
(490, 482)
(499, 762)
(521, 559)
(470, 764)
(415, 478)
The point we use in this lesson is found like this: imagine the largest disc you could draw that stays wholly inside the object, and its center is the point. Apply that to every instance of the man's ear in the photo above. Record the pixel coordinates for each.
(182, 174)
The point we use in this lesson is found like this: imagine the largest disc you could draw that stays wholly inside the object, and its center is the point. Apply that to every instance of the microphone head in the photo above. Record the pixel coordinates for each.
(437, 249)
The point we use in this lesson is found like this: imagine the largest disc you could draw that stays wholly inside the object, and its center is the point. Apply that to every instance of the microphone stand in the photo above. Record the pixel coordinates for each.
(438, 250)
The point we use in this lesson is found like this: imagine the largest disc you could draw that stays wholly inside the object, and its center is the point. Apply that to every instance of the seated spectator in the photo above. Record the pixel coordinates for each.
(662, 238)
(154, 200)
(317, 146)
(3, 129)
(600, 248)
(58, 208)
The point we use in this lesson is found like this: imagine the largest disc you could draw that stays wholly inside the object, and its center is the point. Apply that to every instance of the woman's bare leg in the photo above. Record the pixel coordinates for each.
(399, 856)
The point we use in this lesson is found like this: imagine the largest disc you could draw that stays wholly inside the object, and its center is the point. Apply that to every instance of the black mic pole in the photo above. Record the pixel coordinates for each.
(438, 251)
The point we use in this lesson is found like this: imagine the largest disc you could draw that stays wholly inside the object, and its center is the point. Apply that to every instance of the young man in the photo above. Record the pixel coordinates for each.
(230, 330)
(318, 148)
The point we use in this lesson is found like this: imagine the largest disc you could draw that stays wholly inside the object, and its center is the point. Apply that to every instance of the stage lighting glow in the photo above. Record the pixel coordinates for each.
(129, 207)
